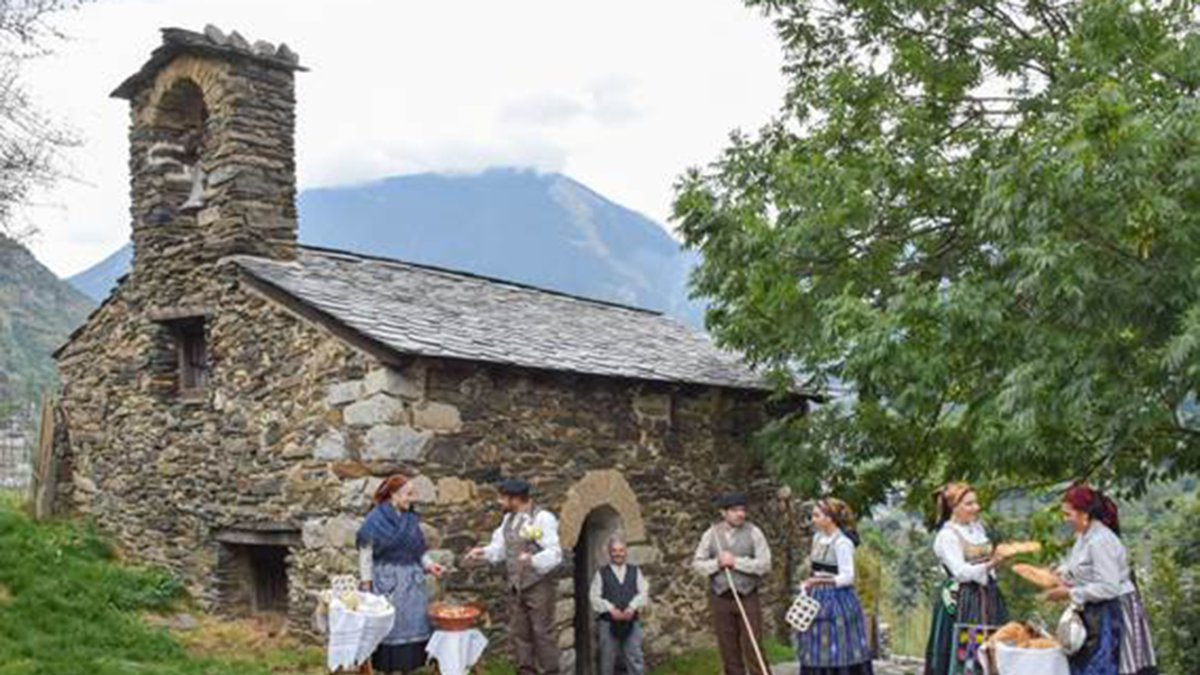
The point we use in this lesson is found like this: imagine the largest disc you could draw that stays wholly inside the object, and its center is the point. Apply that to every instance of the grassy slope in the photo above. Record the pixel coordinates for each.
(67, 607)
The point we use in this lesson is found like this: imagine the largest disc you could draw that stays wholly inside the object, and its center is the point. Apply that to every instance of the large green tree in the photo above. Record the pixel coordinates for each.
(975, 226)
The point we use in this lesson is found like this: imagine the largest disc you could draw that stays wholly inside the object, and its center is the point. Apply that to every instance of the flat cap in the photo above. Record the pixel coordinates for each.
(515, 487)
(730, 500)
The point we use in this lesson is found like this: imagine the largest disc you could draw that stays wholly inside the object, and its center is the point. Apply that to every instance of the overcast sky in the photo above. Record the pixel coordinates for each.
(622, 95)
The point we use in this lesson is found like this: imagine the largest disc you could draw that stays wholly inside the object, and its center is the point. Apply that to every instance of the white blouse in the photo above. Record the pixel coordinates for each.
(1097, 568)
(948, 546)
(843, 548)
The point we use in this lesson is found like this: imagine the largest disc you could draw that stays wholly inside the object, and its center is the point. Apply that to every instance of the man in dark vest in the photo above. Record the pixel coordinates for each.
(739, 547)
(527, 543)
(619, 592)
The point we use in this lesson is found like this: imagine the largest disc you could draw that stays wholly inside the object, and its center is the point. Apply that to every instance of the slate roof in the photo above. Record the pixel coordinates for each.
(426, 311)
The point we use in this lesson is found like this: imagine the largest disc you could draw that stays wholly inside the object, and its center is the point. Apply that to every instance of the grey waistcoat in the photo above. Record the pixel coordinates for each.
(520, 576)
(741, 544)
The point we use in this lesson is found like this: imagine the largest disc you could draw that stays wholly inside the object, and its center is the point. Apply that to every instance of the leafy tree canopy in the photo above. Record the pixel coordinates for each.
(975, 225)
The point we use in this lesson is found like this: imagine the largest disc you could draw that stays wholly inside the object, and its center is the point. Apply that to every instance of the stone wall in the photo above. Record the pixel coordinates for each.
(296, 429)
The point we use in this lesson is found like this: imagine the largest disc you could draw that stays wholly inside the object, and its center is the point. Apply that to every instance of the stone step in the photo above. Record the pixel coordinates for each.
(908, 667)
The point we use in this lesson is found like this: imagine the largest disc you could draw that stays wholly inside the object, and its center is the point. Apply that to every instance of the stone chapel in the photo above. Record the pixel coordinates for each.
(229, 409)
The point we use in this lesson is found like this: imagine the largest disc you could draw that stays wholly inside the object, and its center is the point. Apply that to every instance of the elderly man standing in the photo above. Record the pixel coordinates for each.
(619, 592)
(734, 549)
(527, 543)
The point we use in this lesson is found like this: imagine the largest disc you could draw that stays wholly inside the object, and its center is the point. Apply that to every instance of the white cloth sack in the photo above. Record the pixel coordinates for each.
(456, 650)
(1014, 661)
(354, 635)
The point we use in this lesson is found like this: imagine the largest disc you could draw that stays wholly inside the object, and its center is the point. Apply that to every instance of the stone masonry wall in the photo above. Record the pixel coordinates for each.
(296, 429)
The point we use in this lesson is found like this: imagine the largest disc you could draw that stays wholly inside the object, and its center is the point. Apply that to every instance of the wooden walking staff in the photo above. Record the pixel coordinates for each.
(762, 664)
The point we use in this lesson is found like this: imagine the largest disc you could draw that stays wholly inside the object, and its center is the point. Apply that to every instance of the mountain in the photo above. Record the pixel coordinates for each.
(542, 229)
(37, 312)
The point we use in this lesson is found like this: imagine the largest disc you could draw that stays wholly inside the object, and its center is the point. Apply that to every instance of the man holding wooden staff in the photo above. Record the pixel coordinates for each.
(734, 556)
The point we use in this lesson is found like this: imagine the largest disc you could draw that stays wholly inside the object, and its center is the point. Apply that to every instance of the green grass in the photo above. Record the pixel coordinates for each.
(67, 607)
(708, 661)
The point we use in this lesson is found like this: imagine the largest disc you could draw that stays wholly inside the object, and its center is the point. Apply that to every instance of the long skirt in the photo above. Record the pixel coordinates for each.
(1137, 652)
(972, 605)
(1101, 652)
(836, 643)
(403, 649)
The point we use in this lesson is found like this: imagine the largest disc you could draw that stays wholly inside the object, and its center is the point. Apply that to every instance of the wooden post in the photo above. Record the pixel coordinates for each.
(45, 469)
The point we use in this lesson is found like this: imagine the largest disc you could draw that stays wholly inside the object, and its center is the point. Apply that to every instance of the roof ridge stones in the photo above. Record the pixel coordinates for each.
(211, 42)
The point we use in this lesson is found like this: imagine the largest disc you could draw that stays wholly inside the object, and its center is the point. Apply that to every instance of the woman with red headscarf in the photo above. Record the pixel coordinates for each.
(969, 595)
(1096, 578)
(393, 562)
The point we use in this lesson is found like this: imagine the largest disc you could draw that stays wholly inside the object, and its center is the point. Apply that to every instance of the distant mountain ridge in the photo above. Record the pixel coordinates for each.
(541, 229)
(37, 313)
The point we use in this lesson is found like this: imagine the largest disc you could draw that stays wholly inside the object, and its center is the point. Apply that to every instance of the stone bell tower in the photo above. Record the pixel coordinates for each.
(212, 155)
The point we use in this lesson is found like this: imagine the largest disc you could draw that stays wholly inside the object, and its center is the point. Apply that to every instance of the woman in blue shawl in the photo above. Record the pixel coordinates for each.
(393, 562)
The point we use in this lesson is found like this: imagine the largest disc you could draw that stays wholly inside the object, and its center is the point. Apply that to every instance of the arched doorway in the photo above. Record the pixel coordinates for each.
(590, 553)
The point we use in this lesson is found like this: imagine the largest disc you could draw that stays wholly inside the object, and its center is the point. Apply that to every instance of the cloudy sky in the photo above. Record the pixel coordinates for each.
(622, 95)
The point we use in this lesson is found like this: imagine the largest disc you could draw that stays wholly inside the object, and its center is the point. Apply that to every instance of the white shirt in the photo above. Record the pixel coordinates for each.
(1097, 568)
(843, 548)
(948, 546)
(545, 560)
(596, 594)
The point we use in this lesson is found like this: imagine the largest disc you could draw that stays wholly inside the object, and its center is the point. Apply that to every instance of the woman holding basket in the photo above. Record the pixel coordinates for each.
(393, 562)
(969, 595)
(836, 642)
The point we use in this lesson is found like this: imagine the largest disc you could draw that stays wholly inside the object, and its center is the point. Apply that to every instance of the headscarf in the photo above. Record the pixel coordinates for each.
(948, 499)
(842, 515)
(394, 536)
(1096, 504)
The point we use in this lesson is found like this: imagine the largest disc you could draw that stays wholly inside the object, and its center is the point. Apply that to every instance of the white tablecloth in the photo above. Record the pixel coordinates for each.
(353, 636)
(457, 650)
(1013, 661)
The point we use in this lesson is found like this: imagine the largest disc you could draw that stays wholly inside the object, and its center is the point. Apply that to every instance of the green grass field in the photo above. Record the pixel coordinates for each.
(67, 606)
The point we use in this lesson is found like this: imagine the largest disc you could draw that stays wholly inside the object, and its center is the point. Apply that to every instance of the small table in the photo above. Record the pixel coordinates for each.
(456, 651)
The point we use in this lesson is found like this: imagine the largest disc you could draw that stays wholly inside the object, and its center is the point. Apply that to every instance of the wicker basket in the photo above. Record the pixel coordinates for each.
(450, 617)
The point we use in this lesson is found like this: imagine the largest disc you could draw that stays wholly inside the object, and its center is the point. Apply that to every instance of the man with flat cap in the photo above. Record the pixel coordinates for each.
(527, 543)
(740, 547)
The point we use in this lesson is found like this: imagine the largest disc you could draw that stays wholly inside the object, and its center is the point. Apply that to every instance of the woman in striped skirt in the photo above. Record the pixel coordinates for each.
(1096, 578)
(969, 596)
(836, 643)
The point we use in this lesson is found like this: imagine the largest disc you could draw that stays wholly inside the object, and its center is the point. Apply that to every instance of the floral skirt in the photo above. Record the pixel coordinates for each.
(836, 643)
(971, 604)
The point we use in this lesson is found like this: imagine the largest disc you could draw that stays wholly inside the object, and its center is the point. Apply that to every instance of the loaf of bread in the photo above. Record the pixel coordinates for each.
(1011, 548)
(1038, 576)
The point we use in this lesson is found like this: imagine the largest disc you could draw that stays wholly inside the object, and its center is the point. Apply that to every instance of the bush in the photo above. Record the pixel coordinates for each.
(1173, 596)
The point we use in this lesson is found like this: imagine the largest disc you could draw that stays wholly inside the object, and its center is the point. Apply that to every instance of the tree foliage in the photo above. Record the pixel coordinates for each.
(29, 141)
(975, 225)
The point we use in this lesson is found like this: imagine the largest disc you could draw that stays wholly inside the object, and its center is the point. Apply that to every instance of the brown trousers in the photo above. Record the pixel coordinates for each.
(531, 625)
(737, 654)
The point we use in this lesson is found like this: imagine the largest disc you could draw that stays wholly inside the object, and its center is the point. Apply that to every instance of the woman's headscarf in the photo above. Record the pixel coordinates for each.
(948, 499)
(1096, 504)
(842, 515)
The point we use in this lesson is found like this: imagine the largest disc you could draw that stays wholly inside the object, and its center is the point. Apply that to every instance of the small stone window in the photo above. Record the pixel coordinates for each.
(191, 354)
(252, 572)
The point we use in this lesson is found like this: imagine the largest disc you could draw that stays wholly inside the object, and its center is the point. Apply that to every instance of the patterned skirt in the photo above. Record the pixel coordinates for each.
(836, 643)
(1137, 652)
(973, 604)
